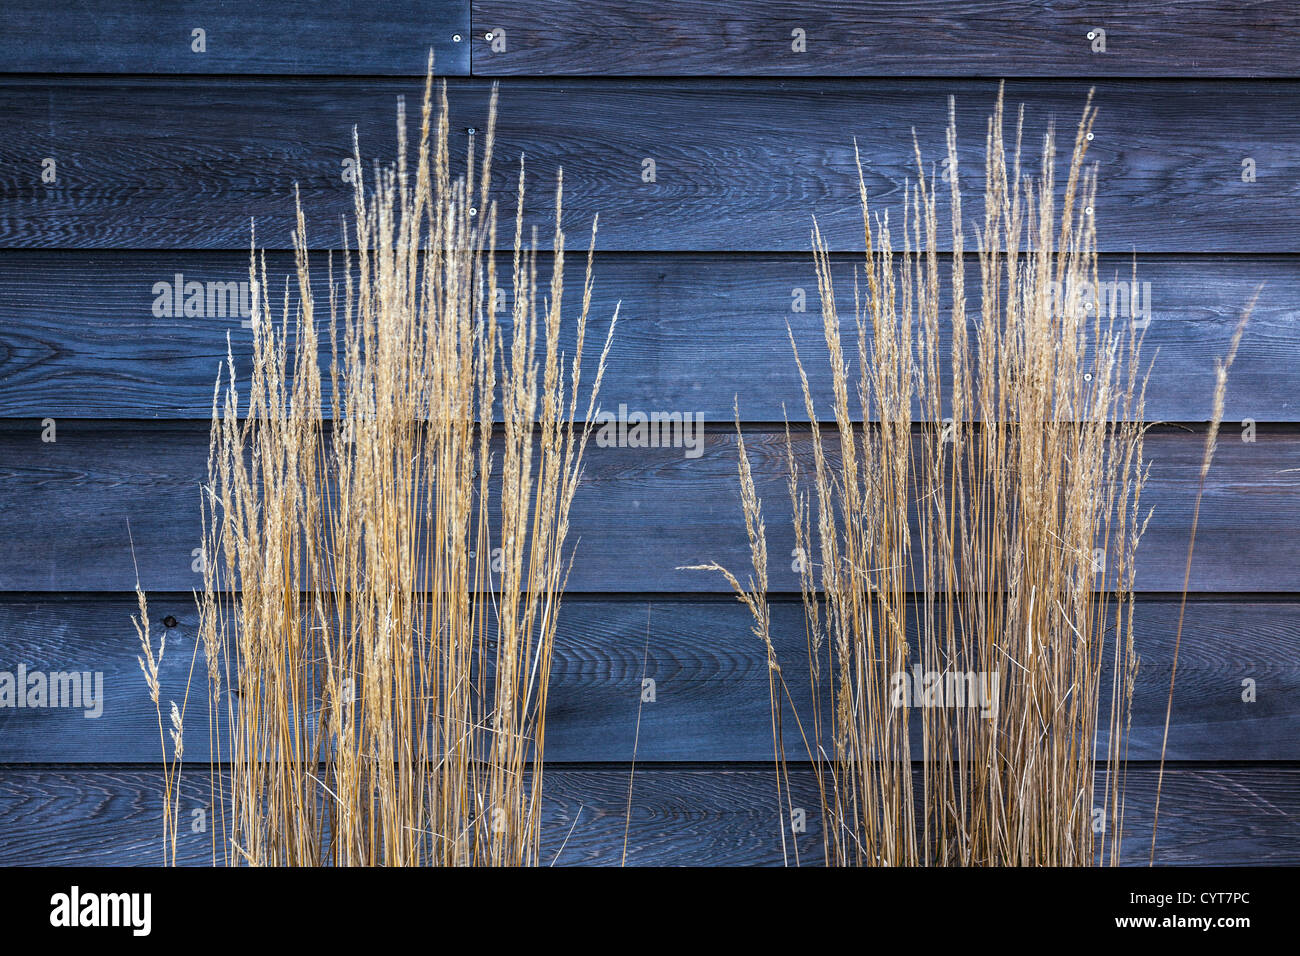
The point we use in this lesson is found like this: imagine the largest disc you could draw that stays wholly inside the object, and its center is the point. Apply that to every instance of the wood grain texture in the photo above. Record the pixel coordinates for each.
(241, 36)
(79, 338)
(710, 680)
(639, 515)
(159, 173)
(911, 38)
(1224, 814)
(156, 163)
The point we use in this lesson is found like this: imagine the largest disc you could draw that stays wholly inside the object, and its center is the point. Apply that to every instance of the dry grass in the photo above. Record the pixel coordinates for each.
(382, 584)
(968, 515)
(1221, 368)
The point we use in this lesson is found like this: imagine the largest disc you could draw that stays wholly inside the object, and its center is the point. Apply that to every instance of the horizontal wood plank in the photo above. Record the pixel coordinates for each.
(239, 37)
(910, 38)
(155, 163)
(710, 680)
(80, 333)
(640, 514)
(1224, 814)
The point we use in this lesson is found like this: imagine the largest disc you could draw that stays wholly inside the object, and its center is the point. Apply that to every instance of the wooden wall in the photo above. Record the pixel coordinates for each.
(162, 154)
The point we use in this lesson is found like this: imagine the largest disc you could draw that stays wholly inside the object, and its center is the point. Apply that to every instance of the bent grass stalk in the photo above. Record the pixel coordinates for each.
(381, 586)
(1221, 367)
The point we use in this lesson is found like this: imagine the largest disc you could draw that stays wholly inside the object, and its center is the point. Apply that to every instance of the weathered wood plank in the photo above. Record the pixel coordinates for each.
(80, 337)
(640, 514)
(239, 36)
(1225, 814)
(914, 38)
(152, 163)
(711, 683)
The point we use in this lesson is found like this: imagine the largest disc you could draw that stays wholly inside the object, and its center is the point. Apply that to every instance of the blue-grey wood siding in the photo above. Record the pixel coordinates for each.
(163, 154)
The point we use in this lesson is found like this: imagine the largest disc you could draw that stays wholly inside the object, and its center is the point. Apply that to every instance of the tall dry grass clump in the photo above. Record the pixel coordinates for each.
(968, 588)
(382, 583)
